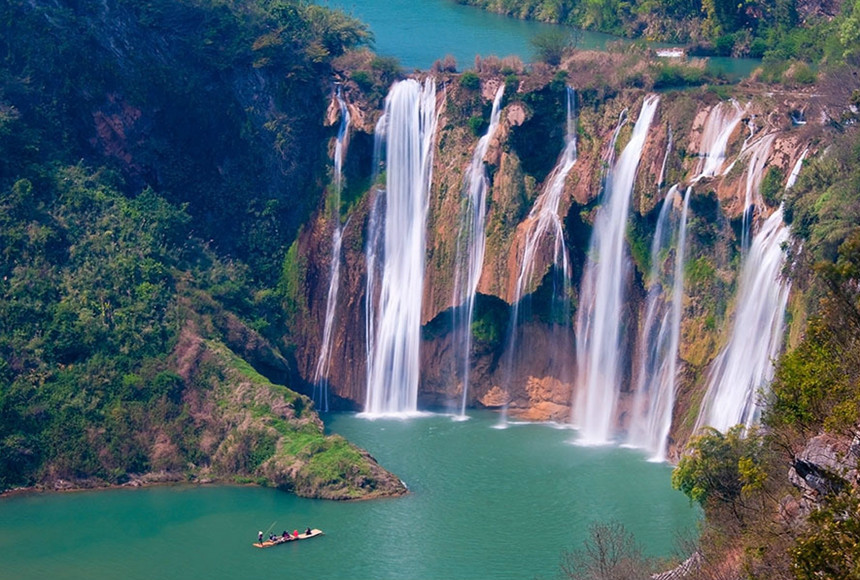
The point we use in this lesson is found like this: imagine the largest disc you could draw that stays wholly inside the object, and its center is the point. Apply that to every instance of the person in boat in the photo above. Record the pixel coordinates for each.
(308, 531)
(260, 536)
(295, 533)
(286, 537)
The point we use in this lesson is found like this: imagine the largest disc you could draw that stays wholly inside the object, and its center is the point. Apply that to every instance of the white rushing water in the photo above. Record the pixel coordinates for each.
(745, 365)
(660, 337)
(756, 152)
(471, 244)
(373, 246)
(542, 224)
(598, 321)
(393, 359)
(324, 360)
(721, 123)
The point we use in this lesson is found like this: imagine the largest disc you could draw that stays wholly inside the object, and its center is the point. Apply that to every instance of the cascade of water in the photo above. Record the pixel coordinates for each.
(470, 249)
(659, 339)
(598, 320)
(324, 360)
(745, 364)
(373, 248)
(543, 221)
(720, 125)
(795, 171)
(392, 373)
(665, 160)
(756, 151)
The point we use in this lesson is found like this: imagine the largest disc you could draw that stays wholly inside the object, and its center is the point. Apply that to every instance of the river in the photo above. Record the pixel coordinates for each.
(484, 503)
(419, 32)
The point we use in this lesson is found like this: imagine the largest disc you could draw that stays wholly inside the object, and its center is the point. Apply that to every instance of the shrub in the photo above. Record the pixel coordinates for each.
(771, 186)
(476, 124)
(470, 80)
(551, 46)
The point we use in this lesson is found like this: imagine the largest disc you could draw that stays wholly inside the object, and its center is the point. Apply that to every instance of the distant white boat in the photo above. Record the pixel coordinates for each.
(670, 52)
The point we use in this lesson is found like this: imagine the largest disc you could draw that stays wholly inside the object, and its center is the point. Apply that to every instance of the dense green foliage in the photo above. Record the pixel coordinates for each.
(212, 104)
(150, 181)
(777, 30)
(720, 468)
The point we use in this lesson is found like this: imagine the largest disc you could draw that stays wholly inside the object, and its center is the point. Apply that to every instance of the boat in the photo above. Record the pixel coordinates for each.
(288, 539)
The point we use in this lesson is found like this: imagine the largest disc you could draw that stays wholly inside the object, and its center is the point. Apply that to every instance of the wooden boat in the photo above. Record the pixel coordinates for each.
(289, 539)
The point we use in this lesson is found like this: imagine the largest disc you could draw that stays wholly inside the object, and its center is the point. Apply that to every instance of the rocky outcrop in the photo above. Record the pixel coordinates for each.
(826, 465)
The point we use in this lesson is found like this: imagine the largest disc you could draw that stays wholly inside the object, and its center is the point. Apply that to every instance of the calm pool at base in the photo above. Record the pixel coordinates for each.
(484, 503)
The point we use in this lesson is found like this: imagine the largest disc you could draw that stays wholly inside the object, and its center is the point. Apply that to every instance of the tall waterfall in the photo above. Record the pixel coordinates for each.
(721, 123)
(393, 358)
(598, 321)
(543, 221)
(324, 361)
(660, 337)
(471, 244)
(745, 364)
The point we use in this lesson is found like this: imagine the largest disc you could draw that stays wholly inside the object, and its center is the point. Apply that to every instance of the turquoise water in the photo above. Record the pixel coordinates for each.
(484, 503)
(419, 32)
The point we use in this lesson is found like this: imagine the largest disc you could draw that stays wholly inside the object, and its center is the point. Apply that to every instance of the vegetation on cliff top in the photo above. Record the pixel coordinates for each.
(781, 30)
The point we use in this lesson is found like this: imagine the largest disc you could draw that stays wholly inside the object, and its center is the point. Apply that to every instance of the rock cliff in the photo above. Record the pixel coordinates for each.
(518, 160)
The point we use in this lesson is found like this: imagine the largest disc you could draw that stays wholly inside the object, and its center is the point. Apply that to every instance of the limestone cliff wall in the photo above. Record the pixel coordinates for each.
(536, 381)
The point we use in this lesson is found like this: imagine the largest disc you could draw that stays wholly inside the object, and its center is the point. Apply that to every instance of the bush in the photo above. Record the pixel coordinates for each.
(477, 125)
(551, 46)
(470, 80)
(609, 553)
(771, 186)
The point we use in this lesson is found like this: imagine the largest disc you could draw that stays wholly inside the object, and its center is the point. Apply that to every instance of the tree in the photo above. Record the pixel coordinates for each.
(551, 46)
(609, 553)
(719, 469)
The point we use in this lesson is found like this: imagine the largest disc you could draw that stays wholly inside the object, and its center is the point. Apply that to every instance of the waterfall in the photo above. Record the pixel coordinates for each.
(745, 364)
(795, 171)
(659, 339)
(665, 160)
(598, 320)
(373, 246)
(720, 125)
(543, 220)
(320, 394)
(756, 152)
(393, 359)
(470, 249)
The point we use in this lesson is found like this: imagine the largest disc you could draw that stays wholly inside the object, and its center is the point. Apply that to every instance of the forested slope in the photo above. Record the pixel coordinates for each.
(156, 161)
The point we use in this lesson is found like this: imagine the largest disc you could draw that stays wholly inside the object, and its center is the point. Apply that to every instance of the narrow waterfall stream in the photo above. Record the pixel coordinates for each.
(660, 337)
(393, 359)
(721, 123)
(471, 244)
(598, 321)
(320, 394)
(542, 222)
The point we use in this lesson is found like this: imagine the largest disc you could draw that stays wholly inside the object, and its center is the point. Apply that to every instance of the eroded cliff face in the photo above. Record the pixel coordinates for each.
(536, 381)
